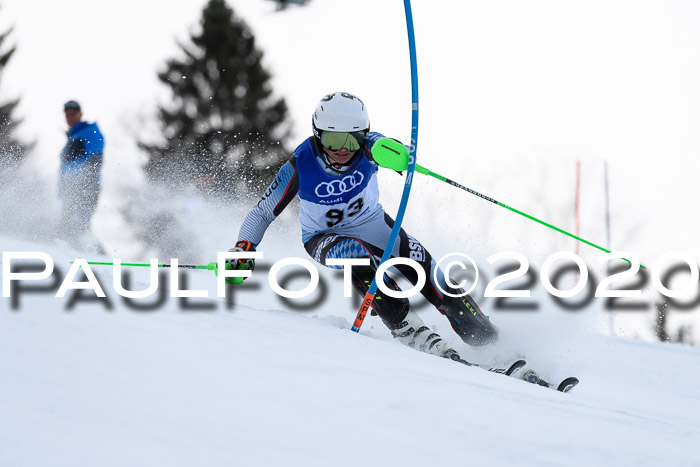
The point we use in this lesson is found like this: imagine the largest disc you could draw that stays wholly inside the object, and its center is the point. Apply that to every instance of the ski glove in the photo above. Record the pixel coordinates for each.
(390, 153)
(242, 263)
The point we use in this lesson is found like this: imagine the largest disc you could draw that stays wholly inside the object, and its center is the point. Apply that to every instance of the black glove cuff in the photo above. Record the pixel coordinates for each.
(245, 245)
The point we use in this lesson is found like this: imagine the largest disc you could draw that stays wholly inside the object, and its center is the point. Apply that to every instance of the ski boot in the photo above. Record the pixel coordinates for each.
(415, 334)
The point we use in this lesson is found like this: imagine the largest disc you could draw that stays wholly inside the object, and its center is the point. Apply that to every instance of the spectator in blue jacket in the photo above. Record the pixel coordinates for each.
(79, 180)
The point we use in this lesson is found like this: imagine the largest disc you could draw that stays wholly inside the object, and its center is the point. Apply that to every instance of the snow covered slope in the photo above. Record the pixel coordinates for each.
(111, 387)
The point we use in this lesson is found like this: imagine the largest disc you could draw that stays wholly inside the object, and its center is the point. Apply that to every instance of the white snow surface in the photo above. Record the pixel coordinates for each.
(259, 385)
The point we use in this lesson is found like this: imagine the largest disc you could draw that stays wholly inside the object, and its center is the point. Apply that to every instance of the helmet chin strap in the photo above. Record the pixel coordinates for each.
(336, 166)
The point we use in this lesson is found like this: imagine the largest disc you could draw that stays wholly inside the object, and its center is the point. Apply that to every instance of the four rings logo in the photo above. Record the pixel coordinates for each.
(338, 187)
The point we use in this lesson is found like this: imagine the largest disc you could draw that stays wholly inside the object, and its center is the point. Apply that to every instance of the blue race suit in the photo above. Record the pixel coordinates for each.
(80, 176)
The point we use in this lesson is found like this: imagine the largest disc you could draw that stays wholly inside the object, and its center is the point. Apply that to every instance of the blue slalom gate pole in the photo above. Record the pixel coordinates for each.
(369, 296)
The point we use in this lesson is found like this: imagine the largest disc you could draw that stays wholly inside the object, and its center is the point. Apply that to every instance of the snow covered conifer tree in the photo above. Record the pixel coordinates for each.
(12, 152)
(223, 130)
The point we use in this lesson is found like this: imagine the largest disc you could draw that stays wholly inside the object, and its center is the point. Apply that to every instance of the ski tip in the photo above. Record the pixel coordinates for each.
(515, 367)
(568, 384)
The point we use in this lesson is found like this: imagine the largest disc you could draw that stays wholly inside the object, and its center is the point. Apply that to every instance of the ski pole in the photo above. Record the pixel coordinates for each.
(430, 173)
(210, 267)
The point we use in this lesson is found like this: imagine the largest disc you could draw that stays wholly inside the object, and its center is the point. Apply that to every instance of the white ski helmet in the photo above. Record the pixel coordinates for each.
(340, 111)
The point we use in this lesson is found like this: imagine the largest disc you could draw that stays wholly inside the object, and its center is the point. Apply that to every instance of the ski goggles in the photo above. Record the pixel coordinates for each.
(335, 141)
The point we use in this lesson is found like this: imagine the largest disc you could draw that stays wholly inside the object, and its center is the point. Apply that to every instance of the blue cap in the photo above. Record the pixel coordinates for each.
(71, 105)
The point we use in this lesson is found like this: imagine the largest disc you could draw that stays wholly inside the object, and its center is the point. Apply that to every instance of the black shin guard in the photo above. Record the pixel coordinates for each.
(391, 310)
(468, 321)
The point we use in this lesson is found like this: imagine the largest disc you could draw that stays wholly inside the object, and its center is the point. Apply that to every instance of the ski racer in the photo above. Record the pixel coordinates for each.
(335, 177)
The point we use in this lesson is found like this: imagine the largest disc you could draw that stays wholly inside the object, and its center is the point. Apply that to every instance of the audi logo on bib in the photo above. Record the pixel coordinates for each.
(338, 187)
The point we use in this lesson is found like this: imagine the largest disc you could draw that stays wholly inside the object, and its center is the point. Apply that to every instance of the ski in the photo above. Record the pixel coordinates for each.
(566, 385)
(509, 371)
(517, 365)
(530, 376)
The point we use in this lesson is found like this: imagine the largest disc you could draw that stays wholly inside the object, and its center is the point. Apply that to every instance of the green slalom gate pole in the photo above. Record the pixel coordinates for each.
(430, 173)
(210, 267)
